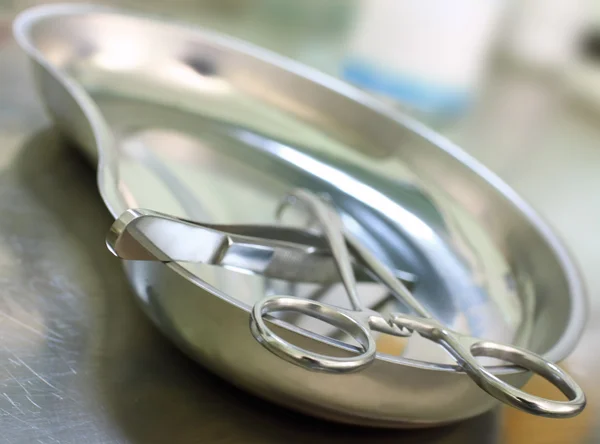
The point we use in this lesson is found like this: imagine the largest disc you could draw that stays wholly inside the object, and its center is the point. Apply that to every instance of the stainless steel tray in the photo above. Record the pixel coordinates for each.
(201, 126)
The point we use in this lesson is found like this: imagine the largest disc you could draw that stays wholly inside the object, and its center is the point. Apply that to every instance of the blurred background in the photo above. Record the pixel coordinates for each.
(431, 56)
(516, 83)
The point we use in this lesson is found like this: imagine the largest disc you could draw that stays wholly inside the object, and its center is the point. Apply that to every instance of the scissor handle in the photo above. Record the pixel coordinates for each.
(503, 391)
(306, 358)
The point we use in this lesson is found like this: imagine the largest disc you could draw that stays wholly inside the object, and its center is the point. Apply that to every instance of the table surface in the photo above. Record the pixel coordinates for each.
(79, 362)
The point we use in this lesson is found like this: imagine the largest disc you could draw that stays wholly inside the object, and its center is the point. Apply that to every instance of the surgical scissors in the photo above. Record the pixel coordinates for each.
(359, 322)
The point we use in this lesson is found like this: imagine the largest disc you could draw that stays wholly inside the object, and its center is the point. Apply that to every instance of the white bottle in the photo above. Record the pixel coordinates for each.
(428, 54)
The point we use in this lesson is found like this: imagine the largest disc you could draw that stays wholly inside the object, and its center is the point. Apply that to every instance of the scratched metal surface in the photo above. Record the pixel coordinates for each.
(79, 363)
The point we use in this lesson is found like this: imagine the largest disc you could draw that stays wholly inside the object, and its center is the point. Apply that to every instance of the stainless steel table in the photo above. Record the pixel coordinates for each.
(79, 363)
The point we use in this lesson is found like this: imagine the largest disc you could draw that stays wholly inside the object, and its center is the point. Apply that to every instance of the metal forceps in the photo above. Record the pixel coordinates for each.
(359, 322)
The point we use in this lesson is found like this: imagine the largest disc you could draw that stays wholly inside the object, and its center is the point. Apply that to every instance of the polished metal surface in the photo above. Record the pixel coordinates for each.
(114, 379)
(204, 127)
(359, 322)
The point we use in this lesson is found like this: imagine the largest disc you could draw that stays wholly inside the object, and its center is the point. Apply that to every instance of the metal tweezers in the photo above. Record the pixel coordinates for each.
(272, 251)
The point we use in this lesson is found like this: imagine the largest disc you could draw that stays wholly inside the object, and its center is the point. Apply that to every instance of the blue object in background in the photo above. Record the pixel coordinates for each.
(411, 92)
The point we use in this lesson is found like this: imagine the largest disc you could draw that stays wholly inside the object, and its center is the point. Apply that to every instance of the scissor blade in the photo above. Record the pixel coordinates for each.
(272, 251)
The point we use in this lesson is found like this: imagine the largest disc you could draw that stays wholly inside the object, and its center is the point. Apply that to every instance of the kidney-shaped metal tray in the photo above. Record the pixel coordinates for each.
(198, 125)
